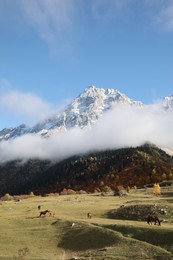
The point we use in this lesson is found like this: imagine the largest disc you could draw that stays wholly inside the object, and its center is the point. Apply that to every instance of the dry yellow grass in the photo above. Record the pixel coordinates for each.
(25, 235)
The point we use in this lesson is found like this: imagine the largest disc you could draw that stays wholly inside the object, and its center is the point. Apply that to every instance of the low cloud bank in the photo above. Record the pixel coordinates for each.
(123, 126)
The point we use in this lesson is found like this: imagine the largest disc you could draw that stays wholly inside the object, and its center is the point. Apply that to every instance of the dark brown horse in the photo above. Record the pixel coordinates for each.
(154, 219)
(44, 212)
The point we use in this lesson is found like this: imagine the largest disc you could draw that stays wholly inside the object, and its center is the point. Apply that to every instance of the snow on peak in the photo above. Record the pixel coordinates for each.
(82, 112)
(168, 103)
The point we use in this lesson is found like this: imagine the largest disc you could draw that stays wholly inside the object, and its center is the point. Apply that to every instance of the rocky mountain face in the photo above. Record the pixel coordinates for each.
(82, 112)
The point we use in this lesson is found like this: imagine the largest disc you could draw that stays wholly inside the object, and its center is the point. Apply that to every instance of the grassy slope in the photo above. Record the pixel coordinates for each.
(24, 233)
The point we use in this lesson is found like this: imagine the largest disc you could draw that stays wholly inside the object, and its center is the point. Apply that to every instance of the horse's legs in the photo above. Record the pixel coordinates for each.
(158, 222)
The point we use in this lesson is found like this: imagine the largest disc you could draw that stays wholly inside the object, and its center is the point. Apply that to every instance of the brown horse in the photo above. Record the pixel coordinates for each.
(44, 212)
(89, 215)
(154, 219)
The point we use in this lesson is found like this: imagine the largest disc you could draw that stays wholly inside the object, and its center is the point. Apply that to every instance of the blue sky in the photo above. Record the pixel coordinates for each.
(51, 50)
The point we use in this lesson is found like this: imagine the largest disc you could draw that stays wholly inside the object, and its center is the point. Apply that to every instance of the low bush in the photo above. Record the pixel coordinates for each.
(7, 197)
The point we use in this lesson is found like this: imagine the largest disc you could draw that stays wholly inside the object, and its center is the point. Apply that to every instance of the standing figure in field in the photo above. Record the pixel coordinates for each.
(154, 219)
(89, 215)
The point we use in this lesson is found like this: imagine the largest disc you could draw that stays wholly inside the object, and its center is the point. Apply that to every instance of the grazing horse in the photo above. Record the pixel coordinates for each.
(154, 219)
(44, 212)
(89, 215)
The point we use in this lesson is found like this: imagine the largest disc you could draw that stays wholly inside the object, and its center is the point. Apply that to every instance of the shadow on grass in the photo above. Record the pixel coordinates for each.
(167, 194)
(158, 237)
(34, 217)
(87, 237)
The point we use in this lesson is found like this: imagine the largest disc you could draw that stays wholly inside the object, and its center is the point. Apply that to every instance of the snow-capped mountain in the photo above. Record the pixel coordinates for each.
(167, 103)
(83, 112)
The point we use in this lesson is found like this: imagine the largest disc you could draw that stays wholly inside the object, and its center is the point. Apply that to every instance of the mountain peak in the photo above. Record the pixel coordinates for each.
(95, 89)
(90, 87)
(82, 112)
(92, 91)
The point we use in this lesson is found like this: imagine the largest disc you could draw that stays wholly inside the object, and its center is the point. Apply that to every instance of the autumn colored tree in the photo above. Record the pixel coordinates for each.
(156, 189)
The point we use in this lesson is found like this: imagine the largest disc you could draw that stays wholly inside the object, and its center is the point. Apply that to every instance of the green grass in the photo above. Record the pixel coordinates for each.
(25, 235)
(161, 237)
(94, 238)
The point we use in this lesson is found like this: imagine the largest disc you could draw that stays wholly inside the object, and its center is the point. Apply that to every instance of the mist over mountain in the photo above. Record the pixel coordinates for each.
(98, 119)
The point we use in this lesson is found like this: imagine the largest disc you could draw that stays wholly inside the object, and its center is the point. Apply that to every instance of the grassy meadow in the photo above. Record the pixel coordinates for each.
(71, 235)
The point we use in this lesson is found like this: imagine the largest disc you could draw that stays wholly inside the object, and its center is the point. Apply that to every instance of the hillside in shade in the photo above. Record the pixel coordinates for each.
(128, 167)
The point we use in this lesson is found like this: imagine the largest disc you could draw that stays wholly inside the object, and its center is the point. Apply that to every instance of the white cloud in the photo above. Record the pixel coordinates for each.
(121, 127)
(52, 19)
(105, 10)
(156, 12)
(160, 13)
(125, 126)
(27, 106)
(58, 22)
(164, 18)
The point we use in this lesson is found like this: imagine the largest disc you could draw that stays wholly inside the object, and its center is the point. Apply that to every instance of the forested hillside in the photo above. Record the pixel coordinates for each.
(128, 167)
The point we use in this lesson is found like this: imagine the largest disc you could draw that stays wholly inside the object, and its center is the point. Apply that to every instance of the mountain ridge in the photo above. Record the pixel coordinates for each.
(83, 112)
